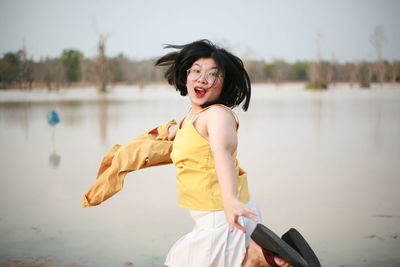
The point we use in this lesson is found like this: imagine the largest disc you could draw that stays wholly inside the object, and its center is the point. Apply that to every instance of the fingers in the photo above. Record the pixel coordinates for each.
(238, 226)
(172, 132)
(250, 214)
(233, 214)
(251, 217)
(281, 262)
(234, 223)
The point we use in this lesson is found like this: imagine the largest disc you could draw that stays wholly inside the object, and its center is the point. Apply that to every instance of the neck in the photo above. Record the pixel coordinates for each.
(194, 109)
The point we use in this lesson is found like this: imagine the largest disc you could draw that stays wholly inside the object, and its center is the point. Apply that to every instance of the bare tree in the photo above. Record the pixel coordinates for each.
(377, 39)
(25, 69)
(331, 70)
(352, 71)
(256, 69)
(318, 72)
(394, 71)
(364, 74)
(103, 72)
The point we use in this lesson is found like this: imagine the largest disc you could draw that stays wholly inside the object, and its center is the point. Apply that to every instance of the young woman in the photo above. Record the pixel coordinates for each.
(211, 185)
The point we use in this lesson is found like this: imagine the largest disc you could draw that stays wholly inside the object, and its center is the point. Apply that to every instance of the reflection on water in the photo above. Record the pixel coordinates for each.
(323, 162)
(103, 119)
(53, 119)
(54, 158)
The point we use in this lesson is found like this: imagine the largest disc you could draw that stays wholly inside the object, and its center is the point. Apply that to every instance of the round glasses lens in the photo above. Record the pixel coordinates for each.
(210, 78)
(195, 74)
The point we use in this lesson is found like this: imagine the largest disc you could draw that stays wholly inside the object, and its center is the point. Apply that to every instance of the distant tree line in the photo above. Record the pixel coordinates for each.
(73, 69)
(321, 74)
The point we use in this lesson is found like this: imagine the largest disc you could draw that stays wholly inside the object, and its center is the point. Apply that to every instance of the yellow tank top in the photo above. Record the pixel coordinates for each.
(197, 181)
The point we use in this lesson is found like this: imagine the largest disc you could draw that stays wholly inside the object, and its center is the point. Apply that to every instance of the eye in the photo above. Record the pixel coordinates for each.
(195, 70)
(213, 74)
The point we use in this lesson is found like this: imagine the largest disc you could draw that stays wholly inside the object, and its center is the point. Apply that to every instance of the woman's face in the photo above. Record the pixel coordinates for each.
(204, 82)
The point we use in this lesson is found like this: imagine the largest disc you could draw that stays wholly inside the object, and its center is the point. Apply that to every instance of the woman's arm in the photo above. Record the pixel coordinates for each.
(222, 133)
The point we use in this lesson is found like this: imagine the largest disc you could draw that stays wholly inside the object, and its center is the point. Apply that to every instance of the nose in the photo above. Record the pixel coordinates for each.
(202, 78)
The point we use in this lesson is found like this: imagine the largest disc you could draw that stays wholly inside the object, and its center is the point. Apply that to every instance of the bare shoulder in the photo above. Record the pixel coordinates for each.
(222, 128)
(219, 115)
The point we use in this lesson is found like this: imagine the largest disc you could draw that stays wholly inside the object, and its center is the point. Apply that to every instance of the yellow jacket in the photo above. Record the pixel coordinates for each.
(152, 148)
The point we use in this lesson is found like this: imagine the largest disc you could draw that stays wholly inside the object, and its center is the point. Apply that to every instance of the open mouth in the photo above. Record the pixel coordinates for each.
(199, 91)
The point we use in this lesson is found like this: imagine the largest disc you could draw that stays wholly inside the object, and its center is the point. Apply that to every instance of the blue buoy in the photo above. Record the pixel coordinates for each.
(53, 118)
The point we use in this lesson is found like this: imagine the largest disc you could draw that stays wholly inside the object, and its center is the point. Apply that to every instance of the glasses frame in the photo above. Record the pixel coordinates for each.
(206, 76)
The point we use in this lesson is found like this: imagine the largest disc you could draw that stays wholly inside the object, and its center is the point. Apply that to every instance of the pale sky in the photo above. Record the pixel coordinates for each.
(257, 29)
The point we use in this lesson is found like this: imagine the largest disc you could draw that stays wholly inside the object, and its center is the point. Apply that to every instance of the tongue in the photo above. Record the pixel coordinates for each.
(200, 93)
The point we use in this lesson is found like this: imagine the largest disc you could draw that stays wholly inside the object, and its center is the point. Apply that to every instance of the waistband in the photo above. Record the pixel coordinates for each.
(215, 219)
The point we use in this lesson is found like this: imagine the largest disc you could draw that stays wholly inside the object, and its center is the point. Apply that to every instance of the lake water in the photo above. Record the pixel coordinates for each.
(326, 163)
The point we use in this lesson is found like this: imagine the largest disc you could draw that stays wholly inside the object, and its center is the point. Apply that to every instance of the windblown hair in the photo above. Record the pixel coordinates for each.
(236, 86)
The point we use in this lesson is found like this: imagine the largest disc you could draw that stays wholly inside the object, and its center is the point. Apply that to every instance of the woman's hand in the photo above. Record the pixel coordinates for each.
(233, 210)
(172, 132)
(281, 262)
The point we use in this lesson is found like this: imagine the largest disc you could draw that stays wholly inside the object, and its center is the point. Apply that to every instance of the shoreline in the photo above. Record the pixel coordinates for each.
(159, 91)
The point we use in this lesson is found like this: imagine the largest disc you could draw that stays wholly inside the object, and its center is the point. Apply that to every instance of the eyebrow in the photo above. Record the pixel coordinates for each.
(215, 67)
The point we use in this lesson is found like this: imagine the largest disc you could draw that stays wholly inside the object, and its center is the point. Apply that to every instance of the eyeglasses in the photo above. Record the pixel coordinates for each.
(210, 76)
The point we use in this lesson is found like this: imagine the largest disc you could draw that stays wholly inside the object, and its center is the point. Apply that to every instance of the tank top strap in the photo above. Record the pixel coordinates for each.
(195, 116)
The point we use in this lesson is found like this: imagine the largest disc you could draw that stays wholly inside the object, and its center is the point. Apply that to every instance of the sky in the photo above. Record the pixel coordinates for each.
(267, 30)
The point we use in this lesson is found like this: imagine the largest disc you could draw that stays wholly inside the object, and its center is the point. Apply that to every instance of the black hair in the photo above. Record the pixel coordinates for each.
(236, 86)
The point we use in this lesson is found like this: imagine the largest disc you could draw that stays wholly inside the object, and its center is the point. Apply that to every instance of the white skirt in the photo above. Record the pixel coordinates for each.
(210, 243)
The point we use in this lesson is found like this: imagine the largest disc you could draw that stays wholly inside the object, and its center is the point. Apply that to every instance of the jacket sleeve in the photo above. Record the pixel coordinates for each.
(152, 148)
